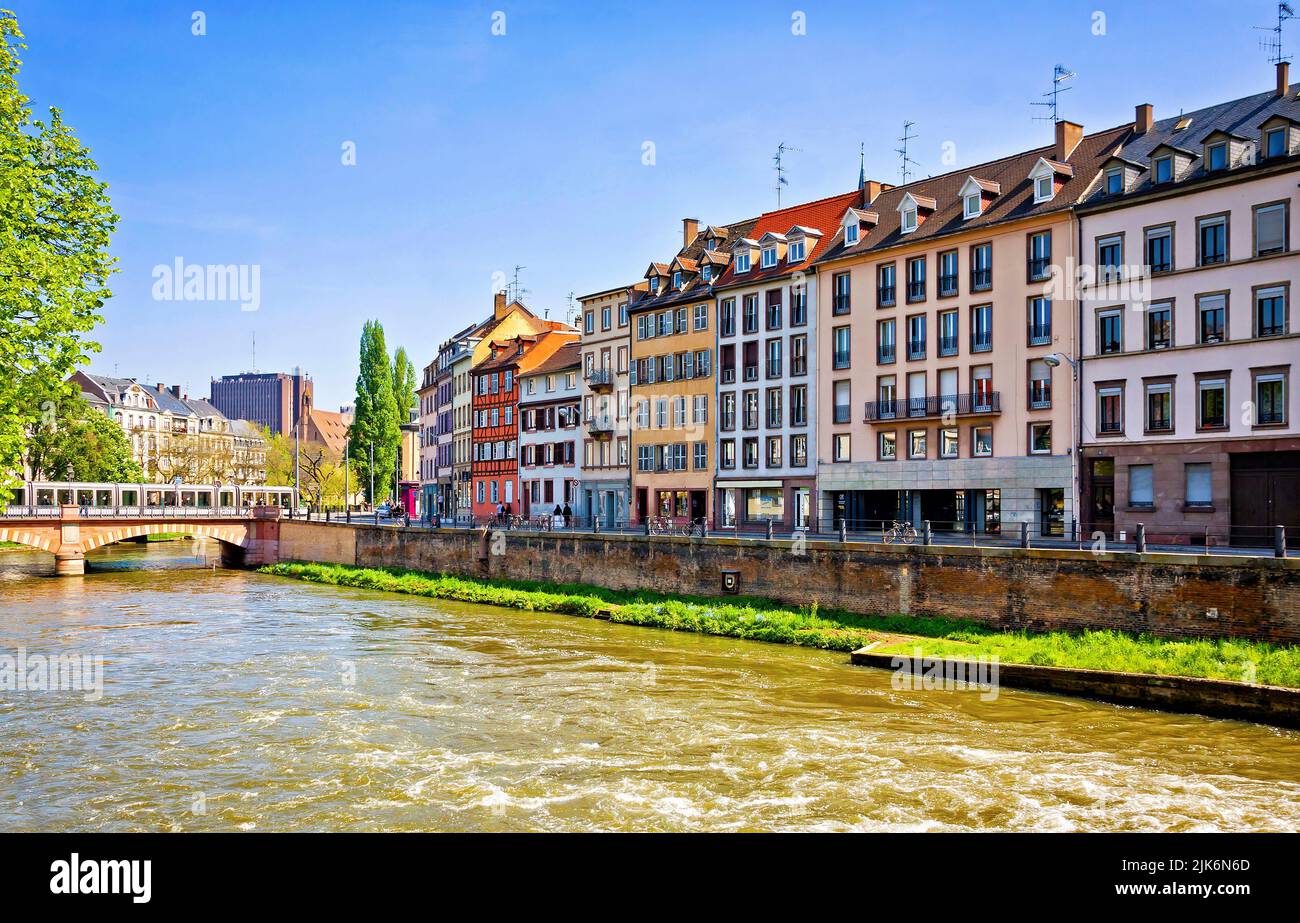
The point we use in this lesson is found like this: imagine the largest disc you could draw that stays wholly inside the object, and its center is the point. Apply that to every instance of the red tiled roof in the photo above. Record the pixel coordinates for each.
(822, 215)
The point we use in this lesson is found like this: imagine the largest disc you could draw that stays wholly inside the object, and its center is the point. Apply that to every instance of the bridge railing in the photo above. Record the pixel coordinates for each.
(130, 512)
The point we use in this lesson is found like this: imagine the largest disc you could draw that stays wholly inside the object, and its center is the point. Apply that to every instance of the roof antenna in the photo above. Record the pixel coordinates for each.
(1060, 74)
(780, 168)
(1273, 44)
(514, 287)
(904, 160)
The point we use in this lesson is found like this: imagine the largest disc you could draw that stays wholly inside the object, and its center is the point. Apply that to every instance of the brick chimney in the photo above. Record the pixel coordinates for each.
(176, 390)
(1283, 78)
(499, 305)
(161, 387)
(871, 189)
(690, 227)
(1143, 118)
(1068, 136)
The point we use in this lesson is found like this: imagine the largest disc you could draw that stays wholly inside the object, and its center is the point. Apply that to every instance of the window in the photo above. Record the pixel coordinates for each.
(981, 328)
(948, 333)
(840, 343)
(1160, 407)
(1114, 181)
(909, 220)
(727, 453)
(916, 443)
(799, 354)
(589, 322)
(727, 317)
(1211, 318)
(981, 441)
(1216, 156)
(840, 293)
(677, 278)
(1212, 240)
(622, 314)
(886, 397)
(1270, 311)
(768, 258)
(970, 205)
(850, 234)
(916, 336)
(1164, 169)
(774, 444)
(948, 442)
(774, 412)
(885, 342)
(1110, 331)
(701, 317)
(1198, 491)
(666, 324)
(840, 447)
(916, 279)
(948, 273)
(706, 273)
(1110, 258)
(699, 408)
(1141, 488)
(749, 449)
(1040, 385)
(1275, 142)
(1160, 326)
(1270, 228)
(679, 412)
(842, 392)
(1211, 403)
(1040, 255)
(798, 405)
(981, 267)
(727, 410)
(798, 305)
(1110, 410)
(1160, 249)
(750, 320)
(774, 309)
(654, 284)
(681, 321)
(795, 252)
(887, 446)
(742, 261)
(1040, 321)
(799, 451)
(701, 456)
(1270, 398)
(1040, 439)
(661, 413)
(1043, 188)
(886, 290)
(749, 419)
(774, 357)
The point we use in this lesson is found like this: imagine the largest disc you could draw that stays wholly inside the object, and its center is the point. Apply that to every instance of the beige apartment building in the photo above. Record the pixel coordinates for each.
(606, 489)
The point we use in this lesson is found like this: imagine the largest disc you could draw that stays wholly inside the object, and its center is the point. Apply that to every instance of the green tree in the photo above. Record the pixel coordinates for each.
(55, 225)
(73, 441)
(375, 417)
(403, 386)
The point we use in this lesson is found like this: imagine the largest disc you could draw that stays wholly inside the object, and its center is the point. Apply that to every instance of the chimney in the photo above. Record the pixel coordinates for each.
(870, 189)
(499, 305)
(1068, 136)
(690, 227)
(161, 387)
(1143, 118)
(176, 390)
(1283, 78)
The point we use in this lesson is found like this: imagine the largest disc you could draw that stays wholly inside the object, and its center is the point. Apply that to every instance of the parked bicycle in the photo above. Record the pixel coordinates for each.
(659, 525)
(901, 533)
(693, 527)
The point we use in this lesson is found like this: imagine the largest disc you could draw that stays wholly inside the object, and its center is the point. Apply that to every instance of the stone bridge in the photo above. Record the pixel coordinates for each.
(247, 537)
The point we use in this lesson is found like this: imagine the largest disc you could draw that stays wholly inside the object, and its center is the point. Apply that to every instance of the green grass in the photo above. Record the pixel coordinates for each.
(764, 620)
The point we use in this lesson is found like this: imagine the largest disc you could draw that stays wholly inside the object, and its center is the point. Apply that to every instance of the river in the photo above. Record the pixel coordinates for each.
(235, 701)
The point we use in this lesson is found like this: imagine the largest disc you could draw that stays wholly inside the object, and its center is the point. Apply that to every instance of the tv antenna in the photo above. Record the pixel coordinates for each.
(1060, 74)
(514, 290)
(571, 316)
(1273, 44)
(781, 150)
(903, 159)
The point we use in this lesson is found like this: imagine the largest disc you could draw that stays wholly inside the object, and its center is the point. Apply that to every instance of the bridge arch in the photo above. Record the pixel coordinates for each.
(40, 538)
(93, 537)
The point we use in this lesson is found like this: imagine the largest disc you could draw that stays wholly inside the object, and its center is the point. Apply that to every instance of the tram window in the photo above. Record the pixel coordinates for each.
(130, 498)
(103, 498)
(65, 496)
(45, 497)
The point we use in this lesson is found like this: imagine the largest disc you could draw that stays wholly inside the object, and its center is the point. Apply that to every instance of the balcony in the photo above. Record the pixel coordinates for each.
(948, 345)
(916, 349)
(947, 285)
(915, 291)
(981, 342)
(1040, 334)
(981, 280)
(839, 304)
(600, 380)
(987, 403)
(1039, 268)
(885, 295)
(600, 427)
(885, 355)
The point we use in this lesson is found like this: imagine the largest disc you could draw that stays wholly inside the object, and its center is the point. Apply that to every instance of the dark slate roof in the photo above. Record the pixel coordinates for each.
(1015, 201)
(1241, 117)
(695, 289)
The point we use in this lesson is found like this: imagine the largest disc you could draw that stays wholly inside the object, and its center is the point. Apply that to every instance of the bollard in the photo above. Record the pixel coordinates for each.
(769, 530)
(1024, 535)
(347, 515)
(647, 525)
(1140, 538)
(1279, 541)
(376, 515)
(595, 524)
(927, 536)
(844, 531)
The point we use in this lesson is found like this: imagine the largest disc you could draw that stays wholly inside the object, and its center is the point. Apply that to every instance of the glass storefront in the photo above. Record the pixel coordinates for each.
(764, 503)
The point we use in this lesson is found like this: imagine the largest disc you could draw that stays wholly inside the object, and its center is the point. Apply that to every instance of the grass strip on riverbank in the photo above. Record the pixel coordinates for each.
(764, 620)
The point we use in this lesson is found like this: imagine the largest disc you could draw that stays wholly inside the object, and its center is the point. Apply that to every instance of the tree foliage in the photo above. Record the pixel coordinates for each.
(55, 226)
(321, 470)
(72, 441)
(375, 416)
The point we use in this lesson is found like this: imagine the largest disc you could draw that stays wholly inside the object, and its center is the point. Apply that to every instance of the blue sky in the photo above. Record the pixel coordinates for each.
(476, 152)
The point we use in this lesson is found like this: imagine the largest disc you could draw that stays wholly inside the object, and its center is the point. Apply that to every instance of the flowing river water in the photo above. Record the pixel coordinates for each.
(235, 701)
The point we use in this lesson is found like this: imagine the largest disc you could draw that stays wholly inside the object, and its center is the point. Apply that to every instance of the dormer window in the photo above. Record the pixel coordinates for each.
(1216, 156)
(677, 278)
(795, 253)
(654, 283)
(909, 220)
(1275, 142)
(1164, 169)
(970, 205)
(742, 261)
(1115, 181)
(1043, 189)
(769, 257)
(850, 234)
(706, 273)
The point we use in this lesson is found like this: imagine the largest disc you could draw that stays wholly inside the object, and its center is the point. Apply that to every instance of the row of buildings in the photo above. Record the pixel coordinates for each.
(1095, 333)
